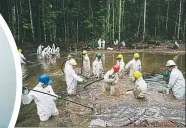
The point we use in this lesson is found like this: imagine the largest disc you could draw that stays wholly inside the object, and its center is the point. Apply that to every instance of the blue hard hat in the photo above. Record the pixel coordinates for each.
(45, 79)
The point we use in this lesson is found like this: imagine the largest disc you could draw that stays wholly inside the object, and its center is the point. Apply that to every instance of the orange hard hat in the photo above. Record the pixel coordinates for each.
(116, 68)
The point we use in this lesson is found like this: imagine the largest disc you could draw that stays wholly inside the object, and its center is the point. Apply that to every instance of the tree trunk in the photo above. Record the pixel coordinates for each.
(17, 19)
(65, 25)
(178, 34)
(21, 22)
(139, 24)
(175, 31)
(31, 21)
(39, 26)
(13, 12)
(144, 20)
(184, 29)
(108, 18)
(77, 24)
(167, 18)
(44, 27)
(119, 27)
(113, 25)
(123, 16)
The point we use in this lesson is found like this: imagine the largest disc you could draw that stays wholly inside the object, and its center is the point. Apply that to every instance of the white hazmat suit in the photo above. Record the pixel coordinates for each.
(177, 83)
(134, 65)
(99, 43)
(103, 44)
(39, 49)
(140, 89)
(97, 67)
(111, 78)
(72, 78)
(22, 58)
(45, 103)
(86, 65)
(121, 64)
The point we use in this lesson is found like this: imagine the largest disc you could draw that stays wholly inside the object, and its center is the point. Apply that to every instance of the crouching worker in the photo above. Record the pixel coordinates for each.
(111, 78)
(46, 106)
(140, 89)
(176, 80)
(71, 77)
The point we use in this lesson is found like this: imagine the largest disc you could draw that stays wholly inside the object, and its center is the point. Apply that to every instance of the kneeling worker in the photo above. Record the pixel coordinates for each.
(111, 78)
(140, 88)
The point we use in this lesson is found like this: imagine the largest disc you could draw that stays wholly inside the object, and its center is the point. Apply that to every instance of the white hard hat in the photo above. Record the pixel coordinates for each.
(73, 62)
(170, 63)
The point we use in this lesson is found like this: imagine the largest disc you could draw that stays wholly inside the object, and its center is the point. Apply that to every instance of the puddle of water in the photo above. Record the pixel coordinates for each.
(108, 110)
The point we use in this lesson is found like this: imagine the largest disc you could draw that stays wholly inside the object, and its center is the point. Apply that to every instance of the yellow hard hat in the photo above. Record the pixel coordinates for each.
(69, 56)
(120, 56)
(136, 55)
(20, 50)
(137, 74)
(84, 52)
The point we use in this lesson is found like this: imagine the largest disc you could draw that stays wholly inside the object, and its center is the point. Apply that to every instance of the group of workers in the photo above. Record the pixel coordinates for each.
(42, 53)
(45, 103)
(46, 53)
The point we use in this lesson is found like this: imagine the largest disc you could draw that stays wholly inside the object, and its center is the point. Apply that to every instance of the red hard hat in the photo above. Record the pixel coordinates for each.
(116, 68)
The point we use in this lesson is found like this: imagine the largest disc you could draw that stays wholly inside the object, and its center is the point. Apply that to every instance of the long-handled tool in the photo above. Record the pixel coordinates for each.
(93, 82)
(63, 99)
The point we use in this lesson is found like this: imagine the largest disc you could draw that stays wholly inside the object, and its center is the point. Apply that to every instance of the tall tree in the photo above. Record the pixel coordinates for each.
(179, 22)
(167, 18)
(144, 20)
(31, 20)
(119, 28)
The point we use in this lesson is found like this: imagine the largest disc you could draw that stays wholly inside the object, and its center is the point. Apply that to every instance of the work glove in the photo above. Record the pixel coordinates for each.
(25, 90)
(166, 86)
(59, 97)
(167, 74)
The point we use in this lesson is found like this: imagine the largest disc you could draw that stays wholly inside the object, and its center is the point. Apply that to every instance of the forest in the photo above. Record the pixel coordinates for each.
(85, 21)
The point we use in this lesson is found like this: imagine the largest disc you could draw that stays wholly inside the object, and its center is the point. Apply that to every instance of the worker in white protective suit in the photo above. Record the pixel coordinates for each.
(111, 78)
(48, 54)
(22, 58)
(71, 77)
(103, 44)
(97, 66)
(67, 62)
(99, 43)
(58, 52)
(39, 49)
(44, 53)
(133, 65)
(140, 89)
(45, 103)
(53, 49)
(121, 64)
(176, 80)
(116, 43)
(86, 64)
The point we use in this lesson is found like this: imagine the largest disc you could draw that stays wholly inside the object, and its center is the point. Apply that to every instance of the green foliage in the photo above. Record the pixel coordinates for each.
(67, 18)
